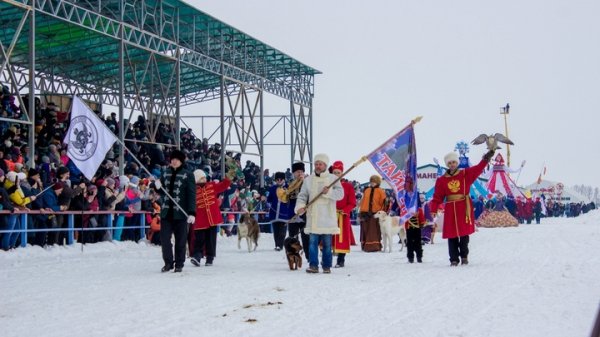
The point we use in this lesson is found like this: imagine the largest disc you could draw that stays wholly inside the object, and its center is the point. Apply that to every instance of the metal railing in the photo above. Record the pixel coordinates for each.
(24, 216)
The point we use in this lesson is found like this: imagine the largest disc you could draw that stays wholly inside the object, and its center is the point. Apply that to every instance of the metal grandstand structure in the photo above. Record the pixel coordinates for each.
(152, 57)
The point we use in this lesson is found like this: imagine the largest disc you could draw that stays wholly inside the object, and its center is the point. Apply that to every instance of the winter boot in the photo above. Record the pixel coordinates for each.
(312, 270)
(419, 259)
(453, 263)
(464, 260)
(195, 261)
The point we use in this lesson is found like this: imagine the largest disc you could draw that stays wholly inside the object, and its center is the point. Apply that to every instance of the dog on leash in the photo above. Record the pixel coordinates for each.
(292, 252)
(248, 228)
(390, 226)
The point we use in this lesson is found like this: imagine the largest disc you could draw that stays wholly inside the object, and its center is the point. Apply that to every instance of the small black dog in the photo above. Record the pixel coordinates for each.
(292, 252)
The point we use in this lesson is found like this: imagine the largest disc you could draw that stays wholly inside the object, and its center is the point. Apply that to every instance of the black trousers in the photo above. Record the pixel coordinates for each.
(279, 233)
(458, 247)
(413, 243)
(296, 228)
(168, 228)
(205, 243)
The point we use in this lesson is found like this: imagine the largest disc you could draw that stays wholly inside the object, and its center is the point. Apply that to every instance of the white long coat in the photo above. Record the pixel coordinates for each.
(321, 216)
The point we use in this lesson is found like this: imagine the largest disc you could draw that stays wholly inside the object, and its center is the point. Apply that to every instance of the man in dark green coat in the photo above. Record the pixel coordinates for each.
(179, 183)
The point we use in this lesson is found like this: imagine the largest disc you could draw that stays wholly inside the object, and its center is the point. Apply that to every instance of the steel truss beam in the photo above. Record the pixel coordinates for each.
(296, 88)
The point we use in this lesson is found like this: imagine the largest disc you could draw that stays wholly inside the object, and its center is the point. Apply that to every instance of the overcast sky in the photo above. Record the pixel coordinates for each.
(456, 63)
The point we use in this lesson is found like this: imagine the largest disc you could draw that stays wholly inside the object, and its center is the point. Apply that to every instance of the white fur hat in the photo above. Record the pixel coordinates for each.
(322, 157)
(11, 176)
(452, 156)
(199, 174)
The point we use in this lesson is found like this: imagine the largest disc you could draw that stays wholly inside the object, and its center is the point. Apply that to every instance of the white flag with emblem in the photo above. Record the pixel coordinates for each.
(88, 138)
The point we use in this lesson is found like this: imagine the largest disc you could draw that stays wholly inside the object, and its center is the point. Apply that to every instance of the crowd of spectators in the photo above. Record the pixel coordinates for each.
(55, 185)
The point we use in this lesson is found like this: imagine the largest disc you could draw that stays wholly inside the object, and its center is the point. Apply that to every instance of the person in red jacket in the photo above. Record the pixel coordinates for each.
(342, 242)
(208, 217)
(528, 210)
(413, 235)
(459, 220)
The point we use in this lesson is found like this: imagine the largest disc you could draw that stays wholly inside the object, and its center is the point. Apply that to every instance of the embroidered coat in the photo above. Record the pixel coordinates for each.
(453, 192)
(181, 186)
(208, 212)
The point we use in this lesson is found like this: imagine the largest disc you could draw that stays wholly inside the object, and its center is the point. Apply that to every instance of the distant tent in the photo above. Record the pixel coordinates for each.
(556, 191)
(500, 181)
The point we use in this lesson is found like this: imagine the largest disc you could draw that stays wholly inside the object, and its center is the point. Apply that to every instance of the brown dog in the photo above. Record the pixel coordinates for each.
(248, 228)
(292, 252)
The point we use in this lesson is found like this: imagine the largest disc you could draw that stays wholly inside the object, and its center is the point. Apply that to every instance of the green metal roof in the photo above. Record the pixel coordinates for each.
(79, 41)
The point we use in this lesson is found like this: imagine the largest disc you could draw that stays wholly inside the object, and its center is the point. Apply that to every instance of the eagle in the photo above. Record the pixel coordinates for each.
(491, 140)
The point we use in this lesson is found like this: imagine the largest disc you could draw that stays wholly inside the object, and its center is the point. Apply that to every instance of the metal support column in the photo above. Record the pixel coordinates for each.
(31, 108)
(222, 104)
(262, 139)
(122, 94)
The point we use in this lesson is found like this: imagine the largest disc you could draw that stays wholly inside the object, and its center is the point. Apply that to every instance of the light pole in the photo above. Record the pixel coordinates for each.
(505, 111)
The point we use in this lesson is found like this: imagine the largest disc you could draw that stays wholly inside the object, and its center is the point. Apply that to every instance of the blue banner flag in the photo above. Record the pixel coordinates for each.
(396, 162)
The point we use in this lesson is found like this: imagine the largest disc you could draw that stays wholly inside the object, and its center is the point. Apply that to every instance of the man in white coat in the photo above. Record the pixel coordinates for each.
(321, 217)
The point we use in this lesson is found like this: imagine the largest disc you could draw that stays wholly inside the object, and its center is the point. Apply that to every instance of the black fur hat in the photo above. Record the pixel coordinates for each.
(279, 175)
(298, 166)
(177, 154)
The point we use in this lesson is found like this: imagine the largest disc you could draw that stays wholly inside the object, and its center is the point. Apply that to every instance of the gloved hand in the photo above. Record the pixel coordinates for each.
(191, 219)
(157, 184)
(488, 156)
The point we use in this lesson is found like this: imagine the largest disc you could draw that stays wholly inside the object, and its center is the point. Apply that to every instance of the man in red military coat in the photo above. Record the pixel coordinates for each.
(459, 220)
(208, 217)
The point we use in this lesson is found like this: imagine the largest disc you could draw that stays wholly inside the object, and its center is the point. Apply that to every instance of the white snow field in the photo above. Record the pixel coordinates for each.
(533, 280)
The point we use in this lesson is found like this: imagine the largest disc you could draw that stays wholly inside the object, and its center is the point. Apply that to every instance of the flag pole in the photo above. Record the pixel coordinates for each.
(150, 174)
(360, 161)
(44, 190)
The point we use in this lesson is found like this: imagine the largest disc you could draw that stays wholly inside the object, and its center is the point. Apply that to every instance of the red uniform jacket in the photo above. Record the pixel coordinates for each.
(344, 206)
(208, 212)
(459, 219)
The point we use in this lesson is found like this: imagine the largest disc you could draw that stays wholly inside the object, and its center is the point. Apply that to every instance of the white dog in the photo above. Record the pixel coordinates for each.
(390, 226)
(248, 228)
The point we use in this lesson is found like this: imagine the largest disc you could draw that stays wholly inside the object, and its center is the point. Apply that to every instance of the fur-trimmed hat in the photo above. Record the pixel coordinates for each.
(199, 174)
(177, 154)
(298, 166)
(337, 165)
(375, 179)
(452, 156)
(279, 175)
(322, 157)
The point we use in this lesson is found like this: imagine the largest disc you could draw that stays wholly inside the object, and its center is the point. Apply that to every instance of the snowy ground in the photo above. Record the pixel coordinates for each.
(534, 280)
